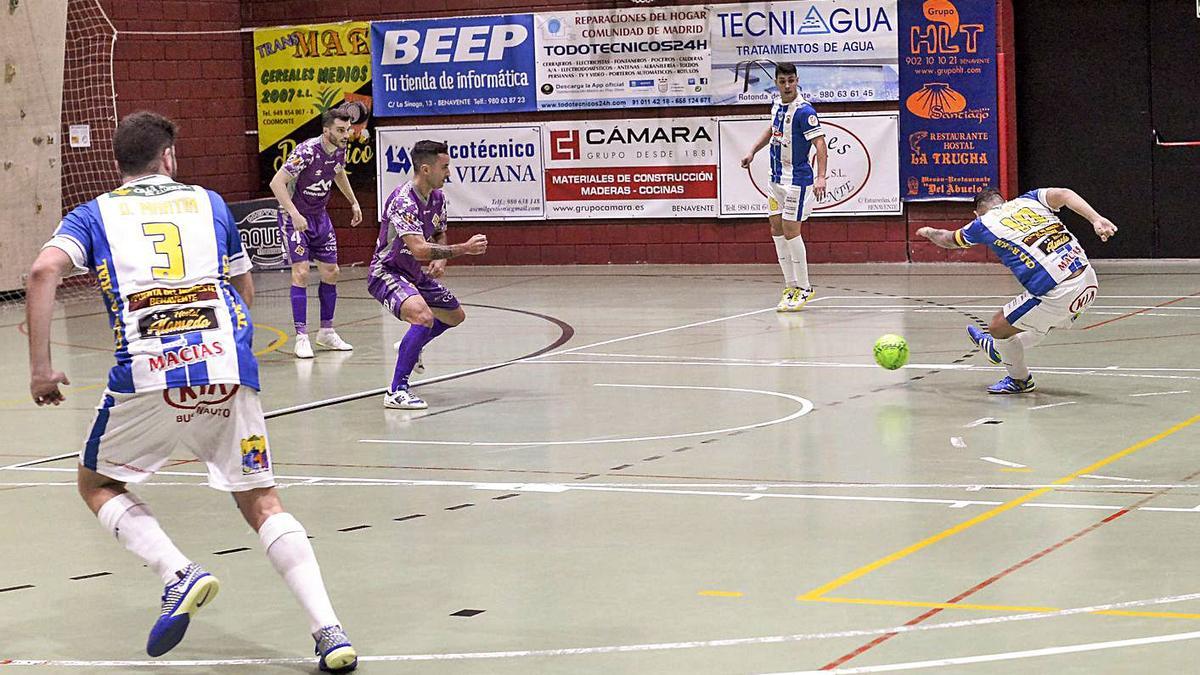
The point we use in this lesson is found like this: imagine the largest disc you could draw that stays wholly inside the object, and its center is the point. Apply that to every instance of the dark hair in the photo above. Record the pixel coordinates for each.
(987, 195)
(328, 117)
(425, 152)
(785, 68)
(140, 140)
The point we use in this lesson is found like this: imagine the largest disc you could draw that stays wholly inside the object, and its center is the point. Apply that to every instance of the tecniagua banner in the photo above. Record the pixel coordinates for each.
(948, 114)
(863, 171)
(645, 168)
(495, 170)
(454, 66)
(844, 50)
(626, 57)
(299, 73)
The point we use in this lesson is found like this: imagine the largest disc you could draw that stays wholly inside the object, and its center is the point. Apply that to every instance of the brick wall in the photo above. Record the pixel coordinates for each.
(206, 83)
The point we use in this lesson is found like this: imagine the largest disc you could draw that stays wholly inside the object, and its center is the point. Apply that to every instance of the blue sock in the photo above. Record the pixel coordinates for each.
(410, 351)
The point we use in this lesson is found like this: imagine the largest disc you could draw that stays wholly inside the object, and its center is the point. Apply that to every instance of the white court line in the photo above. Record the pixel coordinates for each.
(1002, 656)
(738, 491)
(1118, 478)
(919, 366)
(806, 406)
(1004, 462)
(625, 649)
(442, 377)
(1161, 393)
(981, 420)
(1051, 405)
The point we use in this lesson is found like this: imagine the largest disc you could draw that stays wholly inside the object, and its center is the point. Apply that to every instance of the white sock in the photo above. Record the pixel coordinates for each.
(799, 261)
(288, 549)
(131, 522)
(1012, 352)
(785, 260)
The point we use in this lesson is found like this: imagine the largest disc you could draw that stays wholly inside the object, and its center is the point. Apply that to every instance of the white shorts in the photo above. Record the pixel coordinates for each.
(133, 435)
(793, 202)
(1057, 309)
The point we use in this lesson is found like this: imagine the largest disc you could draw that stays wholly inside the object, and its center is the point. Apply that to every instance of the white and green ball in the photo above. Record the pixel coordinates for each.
(891, 351)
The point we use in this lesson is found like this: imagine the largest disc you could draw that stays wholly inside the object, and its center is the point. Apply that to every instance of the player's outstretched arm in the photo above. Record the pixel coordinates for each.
(758, 145)
(943, 238)
(244, 285)
(425, 250)
(51, 264)
(1060, 197)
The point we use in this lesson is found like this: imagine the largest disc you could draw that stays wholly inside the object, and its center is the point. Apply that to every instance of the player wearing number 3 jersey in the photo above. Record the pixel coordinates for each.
(177, 286)
(1045, 257)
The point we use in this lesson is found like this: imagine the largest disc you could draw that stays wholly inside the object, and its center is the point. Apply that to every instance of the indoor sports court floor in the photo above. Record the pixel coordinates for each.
(645, 470)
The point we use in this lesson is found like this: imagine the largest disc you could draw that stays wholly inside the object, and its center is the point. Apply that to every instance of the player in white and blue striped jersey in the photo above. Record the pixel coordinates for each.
(795, 133)
(177, 286)
(1045, 257)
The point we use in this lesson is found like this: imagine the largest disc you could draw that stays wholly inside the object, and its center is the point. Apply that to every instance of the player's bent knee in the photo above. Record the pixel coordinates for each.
(331, 274)
(1000, 328)
(258, 504)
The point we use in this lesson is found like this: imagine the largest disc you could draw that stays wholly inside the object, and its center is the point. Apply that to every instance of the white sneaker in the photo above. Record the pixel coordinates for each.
(329, 339)
(403, 399)
(303, 346)
(786, 301)
(799, 297)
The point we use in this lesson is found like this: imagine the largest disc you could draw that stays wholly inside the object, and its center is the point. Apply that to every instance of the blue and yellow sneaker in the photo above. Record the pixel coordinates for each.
(336, 653)
(180, 600)
(984, 341)
(1010, 386)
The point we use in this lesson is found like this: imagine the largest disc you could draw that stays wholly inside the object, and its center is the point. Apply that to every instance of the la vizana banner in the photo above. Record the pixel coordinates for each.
(299, 73)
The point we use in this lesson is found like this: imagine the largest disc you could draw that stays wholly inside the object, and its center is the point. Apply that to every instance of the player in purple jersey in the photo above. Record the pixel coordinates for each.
(302, 186)
(413, 229)
(140, 259)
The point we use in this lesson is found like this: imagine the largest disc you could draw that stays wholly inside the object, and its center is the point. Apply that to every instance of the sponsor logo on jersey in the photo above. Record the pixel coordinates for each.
(186, 356)
(156, 297)
(1084, 299)
(177, 321)
(201, 402)
(149, 189)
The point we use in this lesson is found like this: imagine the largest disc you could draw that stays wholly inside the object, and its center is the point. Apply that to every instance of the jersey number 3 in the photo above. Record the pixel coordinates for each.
(166, 243)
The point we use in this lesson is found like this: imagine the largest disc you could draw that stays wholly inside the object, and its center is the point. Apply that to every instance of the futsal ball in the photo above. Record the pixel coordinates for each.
(891, 351)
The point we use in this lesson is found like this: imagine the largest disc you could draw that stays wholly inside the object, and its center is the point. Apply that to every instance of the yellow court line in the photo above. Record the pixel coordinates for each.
(1014, 469)
(722, 594)
(278, 342)
(993, 608)
(988, 515)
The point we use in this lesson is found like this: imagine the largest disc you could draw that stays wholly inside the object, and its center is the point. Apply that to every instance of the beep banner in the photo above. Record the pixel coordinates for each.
(949, 148)
(299, 73)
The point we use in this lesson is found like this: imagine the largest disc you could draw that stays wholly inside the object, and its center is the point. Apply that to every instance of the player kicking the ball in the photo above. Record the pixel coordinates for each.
(1044, 256)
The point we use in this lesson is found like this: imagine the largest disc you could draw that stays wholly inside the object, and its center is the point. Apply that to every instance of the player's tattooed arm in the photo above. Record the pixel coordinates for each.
(423, 249)
(943, 238)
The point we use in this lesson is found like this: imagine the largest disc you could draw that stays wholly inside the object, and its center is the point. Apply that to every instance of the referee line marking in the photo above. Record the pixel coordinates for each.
(995, 608)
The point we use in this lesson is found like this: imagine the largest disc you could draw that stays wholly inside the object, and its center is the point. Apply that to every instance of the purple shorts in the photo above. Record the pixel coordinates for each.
(316, 243)
(392, 288)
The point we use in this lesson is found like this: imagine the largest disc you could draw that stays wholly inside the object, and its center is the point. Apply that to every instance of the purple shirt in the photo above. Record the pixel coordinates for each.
(405, 212)
(313, 169)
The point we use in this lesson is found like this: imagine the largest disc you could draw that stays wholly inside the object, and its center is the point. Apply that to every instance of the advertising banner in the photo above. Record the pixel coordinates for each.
(495, 171)
(844, 50)
(261, 237)
(299, 73)
(863, 171)
(454, 66)
(649, 168)
(948, 114)
(624, 57)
